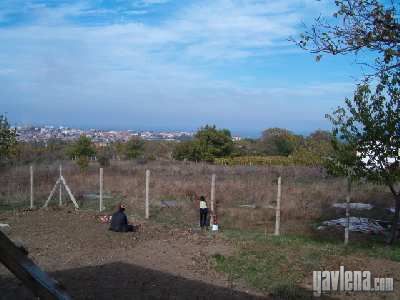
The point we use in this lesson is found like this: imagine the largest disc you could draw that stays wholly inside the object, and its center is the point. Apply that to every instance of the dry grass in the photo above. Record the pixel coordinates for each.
(307, 193)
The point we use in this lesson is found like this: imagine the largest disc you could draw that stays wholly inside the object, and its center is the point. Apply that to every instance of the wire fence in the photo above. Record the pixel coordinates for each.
(245, 196)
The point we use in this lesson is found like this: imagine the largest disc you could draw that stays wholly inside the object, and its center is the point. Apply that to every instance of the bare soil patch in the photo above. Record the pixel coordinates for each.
(94, 263)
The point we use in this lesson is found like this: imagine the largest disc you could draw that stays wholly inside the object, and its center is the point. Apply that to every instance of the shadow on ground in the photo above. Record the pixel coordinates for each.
(125, 281)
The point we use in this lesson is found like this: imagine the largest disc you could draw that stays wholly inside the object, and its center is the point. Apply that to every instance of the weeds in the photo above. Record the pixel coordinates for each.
(279, 264)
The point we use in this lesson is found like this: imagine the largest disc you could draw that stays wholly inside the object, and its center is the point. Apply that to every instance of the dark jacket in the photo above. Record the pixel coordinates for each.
(119, 222)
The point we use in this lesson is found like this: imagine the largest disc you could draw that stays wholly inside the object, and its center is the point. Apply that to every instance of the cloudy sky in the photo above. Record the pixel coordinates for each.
(167, 64)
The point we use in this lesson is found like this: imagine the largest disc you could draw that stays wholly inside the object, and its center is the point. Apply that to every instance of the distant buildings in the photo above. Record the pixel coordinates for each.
(236, 138)
(100, 137)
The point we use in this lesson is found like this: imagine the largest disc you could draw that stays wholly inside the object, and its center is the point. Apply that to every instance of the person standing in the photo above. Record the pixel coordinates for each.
(203, 212)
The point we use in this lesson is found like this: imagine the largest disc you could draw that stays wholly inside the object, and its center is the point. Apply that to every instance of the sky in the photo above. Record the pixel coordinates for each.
(167, 65)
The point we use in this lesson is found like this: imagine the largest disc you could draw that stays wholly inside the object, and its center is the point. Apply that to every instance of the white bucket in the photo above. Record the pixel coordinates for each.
(215, 227)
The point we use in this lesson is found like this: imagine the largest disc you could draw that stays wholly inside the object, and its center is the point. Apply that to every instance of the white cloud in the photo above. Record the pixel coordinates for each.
(55, 61)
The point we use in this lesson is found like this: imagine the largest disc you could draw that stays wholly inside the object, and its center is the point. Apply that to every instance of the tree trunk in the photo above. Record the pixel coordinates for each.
(348, 197)
(395, 224)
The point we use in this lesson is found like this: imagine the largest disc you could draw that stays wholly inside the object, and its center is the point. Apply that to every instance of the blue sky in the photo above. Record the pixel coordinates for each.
(167, 64)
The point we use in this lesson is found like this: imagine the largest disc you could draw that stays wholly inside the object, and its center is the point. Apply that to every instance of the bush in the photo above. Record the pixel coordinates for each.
(134, 148)
(103, 157)
(83, 162)
(278, 141)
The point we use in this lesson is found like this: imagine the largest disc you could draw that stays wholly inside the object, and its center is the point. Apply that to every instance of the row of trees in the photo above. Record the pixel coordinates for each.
(210, 143)
(83, 149)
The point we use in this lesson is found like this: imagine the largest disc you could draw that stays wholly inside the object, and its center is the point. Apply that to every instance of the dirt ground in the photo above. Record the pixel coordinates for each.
(158, 262)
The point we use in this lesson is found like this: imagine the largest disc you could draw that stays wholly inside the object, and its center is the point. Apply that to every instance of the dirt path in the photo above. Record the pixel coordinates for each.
(94, 263)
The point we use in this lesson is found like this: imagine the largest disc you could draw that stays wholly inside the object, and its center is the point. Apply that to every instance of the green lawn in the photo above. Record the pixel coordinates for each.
(279, 265)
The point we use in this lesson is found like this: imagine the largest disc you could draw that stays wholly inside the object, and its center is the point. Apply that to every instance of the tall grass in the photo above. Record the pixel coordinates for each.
(307, 192)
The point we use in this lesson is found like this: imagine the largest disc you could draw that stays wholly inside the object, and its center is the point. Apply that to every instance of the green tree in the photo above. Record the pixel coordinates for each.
(246, 147)
(7, 139)
(358, 26)
(214, 142)
(104, 154)
(118, 149)
(159, 149)
(315, 148)
(369, 130)
(134, 148)
(208, 143)
(82, 149)
(278, 141)
(320, 136)
(189, 150)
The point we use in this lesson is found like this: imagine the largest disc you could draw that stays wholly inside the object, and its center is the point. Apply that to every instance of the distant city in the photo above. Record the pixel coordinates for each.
(67, 134)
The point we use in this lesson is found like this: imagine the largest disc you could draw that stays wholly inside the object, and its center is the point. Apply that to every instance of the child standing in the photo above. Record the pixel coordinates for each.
(203, 212)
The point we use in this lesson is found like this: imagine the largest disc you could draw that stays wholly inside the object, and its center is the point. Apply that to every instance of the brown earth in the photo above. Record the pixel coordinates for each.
(158, 262)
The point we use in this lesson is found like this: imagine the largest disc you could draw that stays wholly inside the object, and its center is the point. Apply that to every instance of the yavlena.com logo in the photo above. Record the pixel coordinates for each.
(349, 281)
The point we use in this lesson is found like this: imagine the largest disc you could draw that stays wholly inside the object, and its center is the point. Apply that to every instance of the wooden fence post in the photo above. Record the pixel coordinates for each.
(212, 193)
(278, 207)
(101, 208)
(348, 197)
(60, 192)
(147, 215)
(213, 204)
(31, 198)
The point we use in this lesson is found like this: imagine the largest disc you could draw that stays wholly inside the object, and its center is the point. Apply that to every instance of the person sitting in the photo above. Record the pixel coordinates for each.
(119, 221)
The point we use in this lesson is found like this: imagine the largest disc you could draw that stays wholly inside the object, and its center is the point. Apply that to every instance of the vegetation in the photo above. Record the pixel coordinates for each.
(188, 150)
(134, 148)
(104, 155)
(246, 147)
(161, 150)
(369, 125)
(358, 25)
(267, 161)
(264, 261)
(276, 146)
(209, 143)
(367, 130)
(7, 139)
(82, 150)
(278, 141)
(315, 149)
(305, 151)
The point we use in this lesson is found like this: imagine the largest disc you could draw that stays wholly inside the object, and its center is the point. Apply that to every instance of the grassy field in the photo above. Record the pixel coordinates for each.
(281, 266)
(307, 192)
